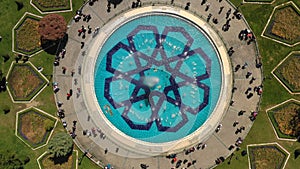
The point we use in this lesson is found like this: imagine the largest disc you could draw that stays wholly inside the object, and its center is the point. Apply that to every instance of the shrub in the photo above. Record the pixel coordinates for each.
(60, 146)
(48, 124)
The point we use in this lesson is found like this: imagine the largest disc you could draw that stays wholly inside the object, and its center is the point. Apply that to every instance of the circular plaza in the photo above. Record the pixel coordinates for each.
(158, 80)
(153, 89)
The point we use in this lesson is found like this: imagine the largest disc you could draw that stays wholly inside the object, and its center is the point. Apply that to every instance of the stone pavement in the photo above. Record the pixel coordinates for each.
(217, 143)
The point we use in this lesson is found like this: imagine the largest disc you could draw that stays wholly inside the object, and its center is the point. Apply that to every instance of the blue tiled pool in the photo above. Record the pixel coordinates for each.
(157, 78)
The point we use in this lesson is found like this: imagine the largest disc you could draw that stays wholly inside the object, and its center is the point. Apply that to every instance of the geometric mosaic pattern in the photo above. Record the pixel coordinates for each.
(171, 68)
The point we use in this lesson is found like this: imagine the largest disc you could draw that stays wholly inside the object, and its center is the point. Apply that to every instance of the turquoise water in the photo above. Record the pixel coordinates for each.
(156, 73)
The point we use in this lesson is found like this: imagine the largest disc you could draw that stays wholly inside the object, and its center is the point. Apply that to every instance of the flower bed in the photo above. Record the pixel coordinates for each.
(285, 25)
(266, 156)
(288, 72)
(24, 82)
(34, 127)
(285, 120)
(259, 0)
(51, 5)
(27, 39)
(48, 163)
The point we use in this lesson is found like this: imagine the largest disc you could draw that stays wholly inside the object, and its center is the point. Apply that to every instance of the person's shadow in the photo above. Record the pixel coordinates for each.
(144, 166)
(115, 2)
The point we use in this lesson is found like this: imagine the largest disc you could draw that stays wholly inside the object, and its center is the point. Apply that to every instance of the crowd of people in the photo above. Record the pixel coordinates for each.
(185, 162)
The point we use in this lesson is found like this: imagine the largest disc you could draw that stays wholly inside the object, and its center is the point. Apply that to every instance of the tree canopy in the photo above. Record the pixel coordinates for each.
(52, 27)
(61, 145)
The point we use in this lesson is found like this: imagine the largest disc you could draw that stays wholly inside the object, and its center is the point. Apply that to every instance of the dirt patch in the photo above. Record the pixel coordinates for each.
(286, 24)
(266, 157)
(27, 38)
(34, 126)
(288, 119)
(290, 71)
(52, 3)
(24, 81)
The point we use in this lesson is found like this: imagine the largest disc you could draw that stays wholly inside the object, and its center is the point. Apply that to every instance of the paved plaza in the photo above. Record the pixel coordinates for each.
(101, 146)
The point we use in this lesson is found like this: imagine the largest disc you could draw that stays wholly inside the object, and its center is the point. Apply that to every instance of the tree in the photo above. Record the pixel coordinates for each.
(60, 146)
(52, 27)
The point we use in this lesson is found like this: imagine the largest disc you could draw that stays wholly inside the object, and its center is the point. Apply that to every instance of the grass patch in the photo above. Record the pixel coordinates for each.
(272, 54)
(24, 82)
(47, 162)
(266, 156)
(52, 5)
(285, 119)
(9, 16)
(288, 72)
(27, 38)
(284, 25)
(35, 127)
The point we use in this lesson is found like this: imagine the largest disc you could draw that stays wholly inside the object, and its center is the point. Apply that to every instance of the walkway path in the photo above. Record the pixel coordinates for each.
(217, 144)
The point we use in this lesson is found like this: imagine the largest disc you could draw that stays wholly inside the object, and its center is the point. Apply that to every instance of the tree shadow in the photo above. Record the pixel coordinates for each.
(20, 5)
(60, 160)
(54, 47)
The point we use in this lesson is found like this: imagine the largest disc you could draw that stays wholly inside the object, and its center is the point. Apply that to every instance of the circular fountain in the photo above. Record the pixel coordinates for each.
(158, 86)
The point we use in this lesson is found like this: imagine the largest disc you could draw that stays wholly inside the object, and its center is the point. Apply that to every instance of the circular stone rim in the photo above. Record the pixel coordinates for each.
(183, 20)
(133, 144)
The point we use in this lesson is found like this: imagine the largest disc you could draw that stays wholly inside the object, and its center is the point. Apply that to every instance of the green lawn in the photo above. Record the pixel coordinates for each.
(272, 53)
(9, 16)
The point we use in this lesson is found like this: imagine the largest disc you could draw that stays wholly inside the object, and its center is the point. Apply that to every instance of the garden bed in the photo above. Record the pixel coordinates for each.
(266, 156)
(284, 25)
(47, 163)
(24, 82)
(259, 0)
(27, 38)
(288, 72)
(285, 120)
(35, 127)
(52, 5)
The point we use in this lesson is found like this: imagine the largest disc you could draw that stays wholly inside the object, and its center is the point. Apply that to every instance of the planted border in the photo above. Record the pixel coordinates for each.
(13, 73)
(272, 118)
(51, 6)
(45, 155)
(18, 27)
(267, 32)
(293, 63)
(42, 115)
(263, 1)
(277, 74)
(272, 153)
